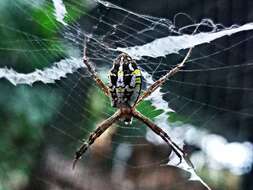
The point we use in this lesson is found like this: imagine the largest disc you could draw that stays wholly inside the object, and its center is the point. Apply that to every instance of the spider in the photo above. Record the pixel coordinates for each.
(125, 93)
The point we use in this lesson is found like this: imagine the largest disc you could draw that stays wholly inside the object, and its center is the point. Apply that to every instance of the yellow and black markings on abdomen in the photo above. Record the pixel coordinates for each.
(125, 81)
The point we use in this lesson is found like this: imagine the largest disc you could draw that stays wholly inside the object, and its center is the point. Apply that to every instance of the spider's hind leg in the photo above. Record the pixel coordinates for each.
(176, 149)
(99, 131)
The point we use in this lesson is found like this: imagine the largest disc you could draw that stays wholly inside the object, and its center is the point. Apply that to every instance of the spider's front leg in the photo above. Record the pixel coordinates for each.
(94, 75)
(178, 151)
(100, 129)
(163, 79)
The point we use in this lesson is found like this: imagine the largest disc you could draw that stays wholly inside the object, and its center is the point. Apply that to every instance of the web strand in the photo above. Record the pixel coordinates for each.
(103, 49)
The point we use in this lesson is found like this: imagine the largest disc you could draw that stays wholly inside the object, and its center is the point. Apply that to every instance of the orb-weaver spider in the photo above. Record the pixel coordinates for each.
(124, 90)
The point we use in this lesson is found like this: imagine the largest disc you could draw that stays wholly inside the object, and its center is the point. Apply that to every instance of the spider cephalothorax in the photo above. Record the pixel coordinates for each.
(125, 81)
(124, 90)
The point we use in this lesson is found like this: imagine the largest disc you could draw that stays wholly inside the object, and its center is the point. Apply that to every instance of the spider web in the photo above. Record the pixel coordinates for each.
(158, 44)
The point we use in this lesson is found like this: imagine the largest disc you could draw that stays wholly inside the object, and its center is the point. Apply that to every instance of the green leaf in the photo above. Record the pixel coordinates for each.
(148, 110)
(175, 117)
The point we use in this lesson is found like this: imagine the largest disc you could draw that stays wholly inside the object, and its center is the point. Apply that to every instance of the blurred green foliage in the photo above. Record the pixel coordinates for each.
(24, 113)
(29, 34)
(29, 40)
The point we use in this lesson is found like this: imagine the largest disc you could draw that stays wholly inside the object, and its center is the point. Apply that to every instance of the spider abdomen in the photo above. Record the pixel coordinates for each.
(125, 81)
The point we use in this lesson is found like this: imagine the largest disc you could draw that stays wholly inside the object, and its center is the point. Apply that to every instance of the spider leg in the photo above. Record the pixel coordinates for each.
(99, 130)
(93, 73)
(178, 151)
(163, 79)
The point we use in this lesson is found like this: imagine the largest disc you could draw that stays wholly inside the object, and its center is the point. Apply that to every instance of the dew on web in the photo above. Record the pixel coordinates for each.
(158, 45)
